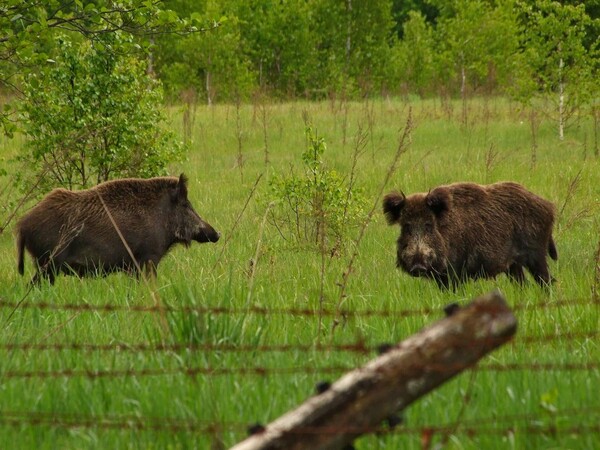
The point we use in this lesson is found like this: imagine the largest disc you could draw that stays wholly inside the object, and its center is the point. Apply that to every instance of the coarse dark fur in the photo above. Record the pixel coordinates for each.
(73, 232)
(466, 230)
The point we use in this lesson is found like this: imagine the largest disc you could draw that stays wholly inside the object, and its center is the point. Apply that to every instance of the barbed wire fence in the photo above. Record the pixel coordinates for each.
(496, 425)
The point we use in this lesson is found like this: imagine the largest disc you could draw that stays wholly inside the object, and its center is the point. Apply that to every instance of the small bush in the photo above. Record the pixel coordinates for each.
(319, 207)
(93, 114)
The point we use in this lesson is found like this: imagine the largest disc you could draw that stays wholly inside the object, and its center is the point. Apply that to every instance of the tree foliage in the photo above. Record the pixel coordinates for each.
(91, 114)
(414, 57)
(28, 28)
(559, 65)
(79, 72)
(475, 44)
(279, 42)
(316, 48)
(327, 48)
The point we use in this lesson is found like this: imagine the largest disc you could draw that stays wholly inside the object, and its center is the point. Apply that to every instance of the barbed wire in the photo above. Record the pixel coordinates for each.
(144, 347)
(528, 423)
(270, 371)
(355, 347)
(260, 310)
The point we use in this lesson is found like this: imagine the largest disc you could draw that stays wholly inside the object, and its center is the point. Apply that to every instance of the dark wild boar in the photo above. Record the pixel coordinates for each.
(72, 232)
(466, 230)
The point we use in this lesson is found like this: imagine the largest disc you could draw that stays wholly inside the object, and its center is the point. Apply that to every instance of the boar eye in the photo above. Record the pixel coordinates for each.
(406, 228)
(428, 227)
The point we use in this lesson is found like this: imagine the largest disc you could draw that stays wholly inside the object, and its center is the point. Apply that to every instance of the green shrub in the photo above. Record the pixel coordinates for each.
(92, 114)
(319, 207)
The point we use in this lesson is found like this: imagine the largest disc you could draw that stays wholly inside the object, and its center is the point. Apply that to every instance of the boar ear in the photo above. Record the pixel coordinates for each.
(182, 192)
(438, 200)
(392, 206)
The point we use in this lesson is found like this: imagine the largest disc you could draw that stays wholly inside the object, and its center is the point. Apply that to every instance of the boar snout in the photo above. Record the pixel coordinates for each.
(417, 267)
(206, 233)
(417, 259)
(418, 270)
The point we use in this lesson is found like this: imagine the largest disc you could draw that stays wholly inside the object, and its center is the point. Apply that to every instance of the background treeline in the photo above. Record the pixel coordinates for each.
(322, 48)
(85, 81)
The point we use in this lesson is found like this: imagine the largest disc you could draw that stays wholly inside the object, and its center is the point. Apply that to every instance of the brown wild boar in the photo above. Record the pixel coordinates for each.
(466, 230)
(73, 232)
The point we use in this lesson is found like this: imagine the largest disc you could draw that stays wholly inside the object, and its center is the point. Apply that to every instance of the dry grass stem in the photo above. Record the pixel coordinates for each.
(401, 149)
(238, 219)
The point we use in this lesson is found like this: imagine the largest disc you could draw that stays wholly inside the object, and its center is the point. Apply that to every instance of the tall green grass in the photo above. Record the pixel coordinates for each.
(161, 404)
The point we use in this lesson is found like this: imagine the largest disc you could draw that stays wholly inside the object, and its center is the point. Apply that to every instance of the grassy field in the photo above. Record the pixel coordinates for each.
(146, 384)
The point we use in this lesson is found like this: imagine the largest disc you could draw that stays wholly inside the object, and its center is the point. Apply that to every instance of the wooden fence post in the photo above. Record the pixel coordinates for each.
(360, 400)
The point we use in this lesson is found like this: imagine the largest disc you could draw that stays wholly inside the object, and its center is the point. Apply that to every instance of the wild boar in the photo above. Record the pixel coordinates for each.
(466, 230)
(119, 225)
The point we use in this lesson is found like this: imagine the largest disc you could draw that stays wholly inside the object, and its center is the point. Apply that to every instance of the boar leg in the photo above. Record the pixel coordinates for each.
(36, 280)
(539, 269)
(443, 281)
(515, 273)
(41, 274)
(45, 270)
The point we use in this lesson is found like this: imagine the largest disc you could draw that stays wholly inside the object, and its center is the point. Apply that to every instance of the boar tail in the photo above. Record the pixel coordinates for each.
(552, 249)
(20, 251)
